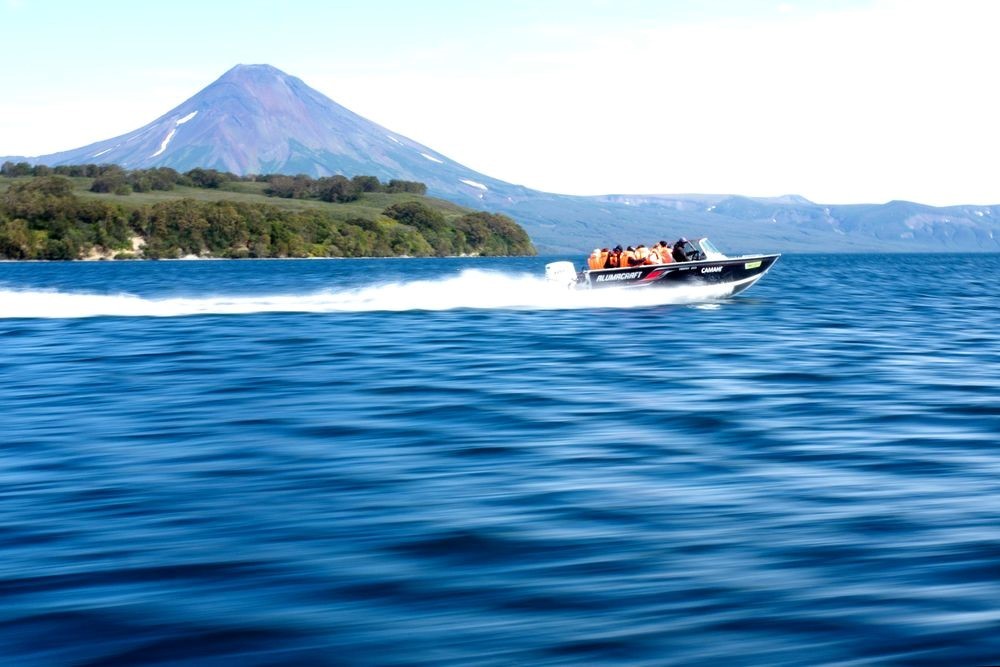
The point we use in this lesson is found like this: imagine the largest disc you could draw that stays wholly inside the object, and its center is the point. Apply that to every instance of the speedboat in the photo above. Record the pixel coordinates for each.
(705, 266)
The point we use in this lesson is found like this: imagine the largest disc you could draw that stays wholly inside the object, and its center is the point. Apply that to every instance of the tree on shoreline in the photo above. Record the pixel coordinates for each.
(42, 218)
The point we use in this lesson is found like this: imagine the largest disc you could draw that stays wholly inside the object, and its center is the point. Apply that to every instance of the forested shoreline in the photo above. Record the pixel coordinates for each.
(104, 211)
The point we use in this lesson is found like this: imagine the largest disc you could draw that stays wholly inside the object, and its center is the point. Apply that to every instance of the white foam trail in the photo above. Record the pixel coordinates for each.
(472, 288)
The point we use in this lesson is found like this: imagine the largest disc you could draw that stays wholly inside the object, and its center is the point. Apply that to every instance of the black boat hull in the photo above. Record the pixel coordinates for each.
(737, 273)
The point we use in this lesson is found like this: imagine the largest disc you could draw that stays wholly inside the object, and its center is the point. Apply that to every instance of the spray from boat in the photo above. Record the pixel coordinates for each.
(469, 289)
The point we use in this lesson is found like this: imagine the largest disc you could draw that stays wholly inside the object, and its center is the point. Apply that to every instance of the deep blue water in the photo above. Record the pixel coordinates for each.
(394, 462)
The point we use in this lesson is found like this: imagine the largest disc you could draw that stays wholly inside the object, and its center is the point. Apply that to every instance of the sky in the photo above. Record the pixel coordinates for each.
(849, 101)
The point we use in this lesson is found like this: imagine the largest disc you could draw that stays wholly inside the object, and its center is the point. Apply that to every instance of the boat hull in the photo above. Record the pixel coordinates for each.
(737, 273)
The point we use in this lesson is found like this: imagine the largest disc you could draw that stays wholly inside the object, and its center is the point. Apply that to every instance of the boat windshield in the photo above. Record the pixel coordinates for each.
(711, 252)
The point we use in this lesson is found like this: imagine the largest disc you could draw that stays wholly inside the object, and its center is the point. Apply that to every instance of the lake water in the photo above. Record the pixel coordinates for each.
(449, 462)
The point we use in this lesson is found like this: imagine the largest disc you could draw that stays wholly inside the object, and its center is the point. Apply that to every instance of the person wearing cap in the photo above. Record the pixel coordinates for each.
(678, 252)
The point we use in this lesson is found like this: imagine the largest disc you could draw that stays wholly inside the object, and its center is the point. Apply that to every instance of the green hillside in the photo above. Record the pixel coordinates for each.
(84, 217)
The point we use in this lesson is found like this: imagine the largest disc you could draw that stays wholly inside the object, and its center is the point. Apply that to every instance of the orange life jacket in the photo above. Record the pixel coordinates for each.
(613, 259)
(594, 261)
(627, 258)
(641, 255)
(604, 259)
(664, 253)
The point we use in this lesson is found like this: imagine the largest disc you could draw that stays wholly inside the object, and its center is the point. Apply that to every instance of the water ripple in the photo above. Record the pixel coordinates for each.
(803, 475)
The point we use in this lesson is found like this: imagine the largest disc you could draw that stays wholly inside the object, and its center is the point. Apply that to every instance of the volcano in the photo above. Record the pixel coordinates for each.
(255, 119)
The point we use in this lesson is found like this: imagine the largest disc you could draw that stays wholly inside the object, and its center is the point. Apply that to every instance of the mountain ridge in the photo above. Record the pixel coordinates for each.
(258, 119)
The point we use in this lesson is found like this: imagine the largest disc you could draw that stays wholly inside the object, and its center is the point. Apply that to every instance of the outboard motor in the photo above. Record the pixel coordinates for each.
(562, 273)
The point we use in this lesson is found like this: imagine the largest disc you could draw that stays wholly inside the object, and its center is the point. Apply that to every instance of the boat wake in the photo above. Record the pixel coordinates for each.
(471, 289)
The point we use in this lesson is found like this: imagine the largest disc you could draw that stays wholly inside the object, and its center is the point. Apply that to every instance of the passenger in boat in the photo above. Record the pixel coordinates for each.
(641, 255)
(593, 262)
(665, 255)
(627, 257)
(657, 254)
(614, 258)
(678, 252)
